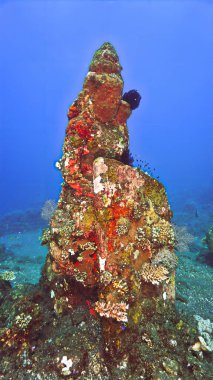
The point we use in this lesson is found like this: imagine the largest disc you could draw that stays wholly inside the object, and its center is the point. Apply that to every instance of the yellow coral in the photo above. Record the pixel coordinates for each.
(154, 274)
(151, 216)
(162, 233)
(120, 286)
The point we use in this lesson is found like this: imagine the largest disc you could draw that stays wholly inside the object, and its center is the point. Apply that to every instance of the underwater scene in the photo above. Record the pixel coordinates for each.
(106, 217)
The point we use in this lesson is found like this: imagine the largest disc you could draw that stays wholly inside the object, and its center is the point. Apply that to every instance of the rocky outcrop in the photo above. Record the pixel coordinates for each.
(112, 220)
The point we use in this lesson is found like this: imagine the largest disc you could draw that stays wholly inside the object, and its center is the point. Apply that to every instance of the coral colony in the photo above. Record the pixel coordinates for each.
(104, 307)
(111, 220)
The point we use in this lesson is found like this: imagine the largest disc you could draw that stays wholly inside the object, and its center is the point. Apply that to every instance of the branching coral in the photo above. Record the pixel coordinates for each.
(154, 274)
(183, 238)
(117, 311)
(121, 286)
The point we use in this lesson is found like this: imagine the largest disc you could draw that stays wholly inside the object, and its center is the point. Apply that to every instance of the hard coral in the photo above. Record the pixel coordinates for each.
(117, 311)
(166, 258)
(153, 274)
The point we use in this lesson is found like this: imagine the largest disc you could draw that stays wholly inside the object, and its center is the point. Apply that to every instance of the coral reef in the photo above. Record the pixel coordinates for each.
(36, 343)
(108, 282)
(111, 219)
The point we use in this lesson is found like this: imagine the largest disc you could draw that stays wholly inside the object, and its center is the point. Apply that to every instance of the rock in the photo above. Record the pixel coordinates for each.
(5, 288)
(206, 342)
(205, 328)
(111, 219)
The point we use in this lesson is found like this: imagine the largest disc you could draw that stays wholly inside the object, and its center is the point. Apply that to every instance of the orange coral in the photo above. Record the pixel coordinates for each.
(73, 112)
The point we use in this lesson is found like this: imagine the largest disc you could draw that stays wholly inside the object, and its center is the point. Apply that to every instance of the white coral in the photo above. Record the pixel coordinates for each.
(68, 364)
(102, 263)
(98, 186)
(99, 167)
(117, 311)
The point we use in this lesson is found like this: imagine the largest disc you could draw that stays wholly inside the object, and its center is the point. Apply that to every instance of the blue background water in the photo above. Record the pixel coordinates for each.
(166, 52)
